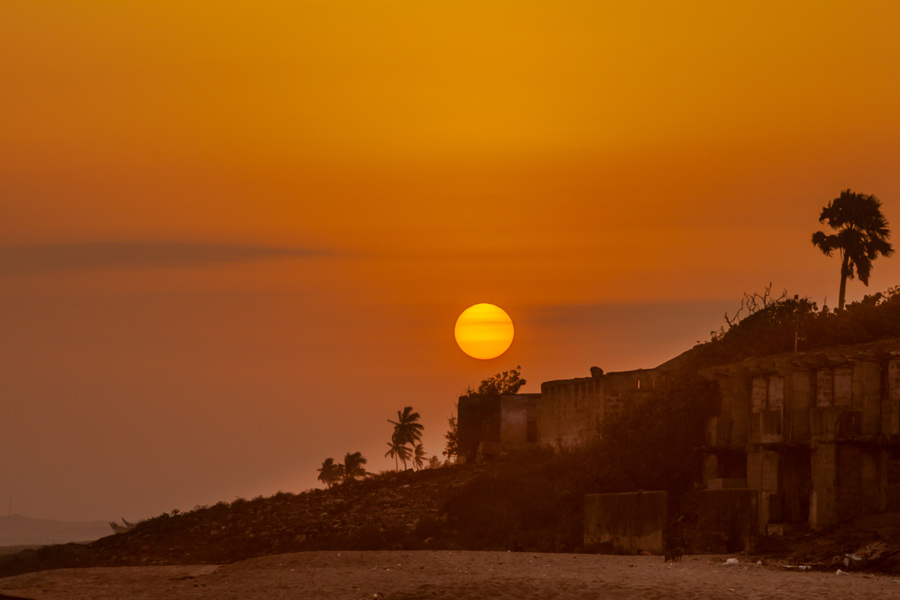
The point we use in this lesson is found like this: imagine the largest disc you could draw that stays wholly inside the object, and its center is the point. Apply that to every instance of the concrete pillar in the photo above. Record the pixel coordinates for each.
(867, 388)
(890, 411)
(823, 501)
(762, 475)
(873, 480)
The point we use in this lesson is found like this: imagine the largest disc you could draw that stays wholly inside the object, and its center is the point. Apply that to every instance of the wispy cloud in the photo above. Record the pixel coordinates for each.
(138, 255)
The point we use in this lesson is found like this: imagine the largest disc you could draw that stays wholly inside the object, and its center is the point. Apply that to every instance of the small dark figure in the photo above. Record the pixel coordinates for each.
(674, 554)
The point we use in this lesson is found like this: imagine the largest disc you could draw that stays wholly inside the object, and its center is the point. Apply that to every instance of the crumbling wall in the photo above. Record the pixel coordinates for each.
(731, 425)
(719, 521)
(489, 425)
(799, 400)
(822, 427)
(518, 421)
(478, 422)
(890, 411)
(823, 499)
(626, 523)
(573, 409)
(762, 475)
(866, 388)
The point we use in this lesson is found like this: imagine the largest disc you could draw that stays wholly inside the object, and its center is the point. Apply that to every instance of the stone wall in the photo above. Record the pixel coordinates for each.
(488, 426)
(573, 409)
(626, 523)
(518, 420)
(718, 521)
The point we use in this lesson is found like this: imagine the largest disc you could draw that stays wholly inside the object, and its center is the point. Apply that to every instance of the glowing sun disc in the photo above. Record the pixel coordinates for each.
(484, 331)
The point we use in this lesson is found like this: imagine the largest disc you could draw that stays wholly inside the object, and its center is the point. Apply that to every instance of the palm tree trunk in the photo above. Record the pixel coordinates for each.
(845, 263)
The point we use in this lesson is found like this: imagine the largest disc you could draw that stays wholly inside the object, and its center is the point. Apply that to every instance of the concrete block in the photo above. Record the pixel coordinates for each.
(626, 523)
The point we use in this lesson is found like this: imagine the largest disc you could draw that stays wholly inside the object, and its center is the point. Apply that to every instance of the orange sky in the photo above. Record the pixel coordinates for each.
(235, 238)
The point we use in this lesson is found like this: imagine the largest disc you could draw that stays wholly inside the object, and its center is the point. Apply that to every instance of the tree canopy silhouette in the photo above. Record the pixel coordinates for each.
(398, 451)
(419, 457)
(354, 466)
(330, 472)
(452, 436)
(407, 434)
(862, 235)
(507, 382)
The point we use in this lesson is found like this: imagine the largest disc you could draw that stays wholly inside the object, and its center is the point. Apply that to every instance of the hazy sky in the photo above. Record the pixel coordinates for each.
(235, 237)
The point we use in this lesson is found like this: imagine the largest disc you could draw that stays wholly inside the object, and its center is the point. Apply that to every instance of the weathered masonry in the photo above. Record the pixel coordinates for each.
(816, 433)
(573, 409)
(567, 412)
(488, 426)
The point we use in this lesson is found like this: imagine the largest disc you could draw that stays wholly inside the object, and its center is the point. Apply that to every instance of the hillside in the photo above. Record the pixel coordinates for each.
(392, 510)
(522, 502)
(514, 504)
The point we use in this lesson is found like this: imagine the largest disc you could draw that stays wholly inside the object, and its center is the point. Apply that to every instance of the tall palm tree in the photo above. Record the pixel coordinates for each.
(407, 428)
(862, 235)
(330, 472)
(353, 466)
(434, 463)
(419, 459)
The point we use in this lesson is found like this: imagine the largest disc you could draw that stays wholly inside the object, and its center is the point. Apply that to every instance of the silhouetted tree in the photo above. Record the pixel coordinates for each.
(398, 451)
(330, 473)
(507, 382)
(407, 429)
(862, 234)
(452, 437)
(434, 462)
(353, 466)
(418, 456)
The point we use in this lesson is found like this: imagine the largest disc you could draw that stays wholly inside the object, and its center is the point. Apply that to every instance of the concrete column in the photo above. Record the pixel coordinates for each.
(823, 500)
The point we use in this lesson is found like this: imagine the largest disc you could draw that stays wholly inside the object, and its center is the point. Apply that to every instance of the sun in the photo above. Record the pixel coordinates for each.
(484, 331)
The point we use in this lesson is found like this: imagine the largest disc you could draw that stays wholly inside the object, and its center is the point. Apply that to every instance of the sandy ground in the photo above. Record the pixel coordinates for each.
(445, 575)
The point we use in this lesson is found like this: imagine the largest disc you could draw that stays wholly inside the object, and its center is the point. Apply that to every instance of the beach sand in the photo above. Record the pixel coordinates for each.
(446, 575)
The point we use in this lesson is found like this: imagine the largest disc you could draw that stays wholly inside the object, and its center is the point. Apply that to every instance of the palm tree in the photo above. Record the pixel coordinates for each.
(353, 466)
(434, 463)
(407, 428)
(862, 235)
(398, 450)
(330, 472)
(418, 456)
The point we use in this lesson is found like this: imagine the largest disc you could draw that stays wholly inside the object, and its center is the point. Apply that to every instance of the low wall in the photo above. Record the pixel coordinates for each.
(626, 523)
(719, 521)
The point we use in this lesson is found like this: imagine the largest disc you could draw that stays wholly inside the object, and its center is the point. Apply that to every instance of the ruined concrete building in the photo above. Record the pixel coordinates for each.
(566, 413)
(816, 434)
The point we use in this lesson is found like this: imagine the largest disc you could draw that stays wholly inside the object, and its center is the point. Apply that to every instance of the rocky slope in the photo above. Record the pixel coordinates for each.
(525, 504)
(390, 511)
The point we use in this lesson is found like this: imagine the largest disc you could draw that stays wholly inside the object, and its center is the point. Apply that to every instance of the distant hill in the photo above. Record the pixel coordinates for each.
(16, 530)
